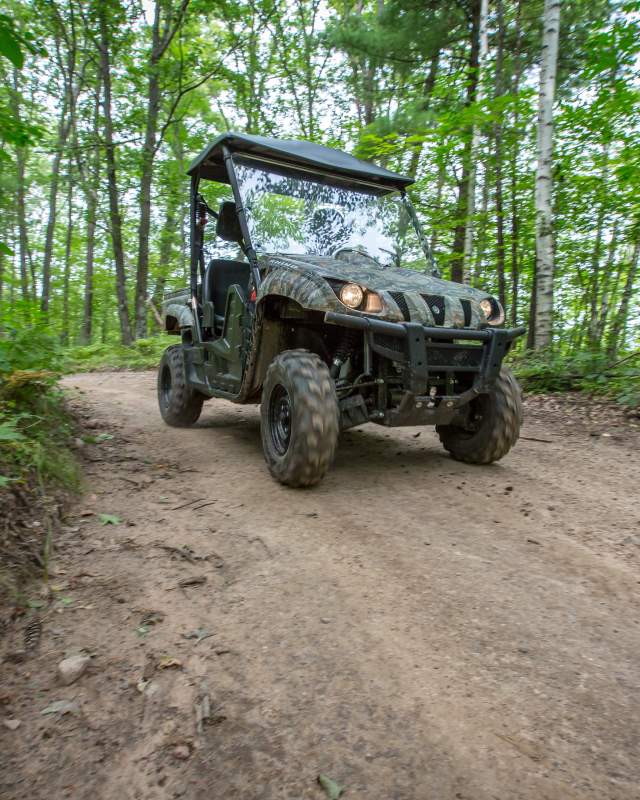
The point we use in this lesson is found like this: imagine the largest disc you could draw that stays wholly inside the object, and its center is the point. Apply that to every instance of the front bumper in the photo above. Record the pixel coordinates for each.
(425, 353)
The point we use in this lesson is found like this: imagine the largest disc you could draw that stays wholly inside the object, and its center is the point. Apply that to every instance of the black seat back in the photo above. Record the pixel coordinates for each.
(219, 276)
(228, 224)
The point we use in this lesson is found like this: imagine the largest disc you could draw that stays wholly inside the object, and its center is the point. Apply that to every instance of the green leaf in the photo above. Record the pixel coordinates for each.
(104, 437)
(109, 519)
(5, 249)
(4, 481)
(10, 47)
(332, 789)
(8, 433)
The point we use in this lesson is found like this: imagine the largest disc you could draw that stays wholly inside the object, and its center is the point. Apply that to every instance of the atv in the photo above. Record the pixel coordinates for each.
(318, 297)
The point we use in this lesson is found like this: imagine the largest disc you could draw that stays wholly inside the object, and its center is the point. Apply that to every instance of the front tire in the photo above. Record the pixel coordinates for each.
(180, 405)
(299, 418)
(495, 421)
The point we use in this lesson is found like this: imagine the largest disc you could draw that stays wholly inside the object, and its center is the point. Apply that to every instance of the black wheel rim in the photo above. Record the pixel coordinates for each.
(165, 386)
(280, 419)
(477, 416)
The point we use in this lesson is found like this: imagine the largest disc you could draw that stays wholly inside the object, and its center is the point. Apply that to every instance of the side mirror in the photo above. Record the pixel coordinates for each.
(228, 225)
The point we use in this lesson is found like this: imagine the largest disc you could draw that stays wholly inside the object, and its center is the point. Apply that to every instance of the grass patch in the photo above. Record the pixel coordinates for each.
(142, 354)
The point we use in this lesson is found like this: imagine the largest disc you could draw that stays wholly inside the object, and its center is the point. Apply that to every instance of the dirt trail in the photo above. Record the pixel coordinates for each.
(415, 628)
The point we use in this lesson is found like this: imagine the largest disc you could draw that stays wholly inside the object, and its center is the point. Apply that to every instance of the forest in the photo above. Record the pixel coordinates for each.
(519, 121)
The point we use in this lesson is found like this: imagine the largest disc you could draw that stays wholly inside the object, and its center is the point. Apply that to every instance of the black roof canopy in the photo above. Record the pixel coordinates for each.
(210, 164)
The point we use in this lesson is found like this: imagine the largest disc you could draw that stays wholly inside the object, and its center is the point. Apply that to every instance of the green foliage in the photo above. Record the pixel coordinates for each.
(142, 354)
(543, 372)
(34, 425)
(10, 42)
(388, 81)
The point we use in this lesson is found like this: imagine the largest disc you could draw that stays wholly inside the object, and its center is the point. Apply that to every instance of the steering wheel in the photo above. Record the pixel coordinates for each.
(348, 250)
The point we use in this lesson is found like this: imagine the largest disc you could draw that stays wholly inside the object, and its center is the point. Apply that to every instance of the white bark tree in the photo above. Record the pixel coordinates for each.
(475, 144)
(544, 178)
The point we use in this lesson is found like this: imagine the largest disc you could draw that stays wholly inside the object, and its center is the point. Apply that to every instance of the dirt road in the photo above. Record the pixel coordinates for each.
(414, 628)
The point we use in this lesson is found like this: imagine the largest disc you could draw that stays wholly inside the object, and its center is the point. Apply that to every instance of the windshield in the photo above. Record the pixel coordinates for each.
(304, 213)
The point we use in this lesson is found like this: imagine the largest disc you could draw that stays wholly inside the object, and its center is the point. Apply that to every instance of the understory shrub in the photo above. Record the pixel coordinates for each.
(583, 372)
(37, 467)
(142, 354)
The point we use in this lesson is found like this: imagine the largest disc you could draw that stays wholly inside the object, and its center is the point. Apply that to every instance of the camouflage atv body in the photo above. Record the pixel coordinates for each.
(329, 340)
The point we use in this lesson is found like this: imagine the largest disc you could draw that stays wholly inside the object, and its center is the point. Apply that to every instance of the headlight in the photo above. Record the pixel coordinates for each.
(492, 310)
(351, 295)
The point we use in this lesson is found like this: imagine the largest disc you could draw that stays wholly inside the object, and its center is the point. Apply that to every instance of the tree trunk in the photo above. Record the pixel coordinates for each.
(595, 257)
(457, 262)
(515, 218)
(53, 209)
(606, 287)
(616, 335)
(497, 134)
(166, 247)
(91, 195)
(475, 276)
(544, 178)
(20, 194)
(64, 337)
(146, 177)
(531, 328)
(112, 183)
(475, 146)
(2, 257)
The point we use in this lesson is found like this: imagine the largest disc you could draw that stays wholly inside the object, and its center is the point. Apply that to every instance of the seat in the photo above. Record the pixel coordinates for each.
(218, 277)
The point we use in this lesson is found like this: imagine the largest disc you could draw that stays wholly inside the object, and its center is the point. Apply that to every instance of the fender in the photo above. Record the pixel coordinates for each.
(177, 316)
(308, 289)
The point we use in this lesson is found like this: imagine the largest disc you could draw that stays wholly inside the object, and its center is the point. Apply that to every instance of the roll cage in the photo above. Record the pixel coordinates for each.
(216, 163)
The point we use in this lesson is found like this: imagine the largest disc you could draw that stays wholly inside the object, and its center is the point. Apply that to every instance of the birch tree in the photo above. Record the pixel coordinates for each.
(475, 145)
(544, 180)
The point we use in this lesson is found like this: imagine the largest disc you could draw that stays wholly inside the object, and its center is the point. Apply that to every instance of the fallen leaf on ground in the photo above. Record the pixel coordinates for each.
(12, 724)
(109, 519)
(166, 662)
(199, 634)
(332, 789)
(61, 707)
(151, 618)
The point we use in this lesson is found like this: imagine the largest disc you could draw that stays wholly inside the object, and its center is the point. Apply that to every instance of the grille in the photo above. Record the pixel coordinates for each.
(402, 304)
(454, 357)
(466, 309)
(390, 342)
(436, 306)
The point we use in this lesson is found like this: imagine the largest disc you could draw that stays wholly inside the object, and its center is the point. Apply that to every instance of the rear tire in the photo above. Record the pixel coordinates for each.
(180, 405)
(497, 418)
(299, 418)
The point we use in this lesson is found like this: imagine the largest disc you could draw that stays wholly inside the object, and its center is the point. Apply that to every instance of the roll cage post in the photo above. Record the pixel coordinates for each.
(195, 254)
(197, 238)
(426, 247)
(242, 217)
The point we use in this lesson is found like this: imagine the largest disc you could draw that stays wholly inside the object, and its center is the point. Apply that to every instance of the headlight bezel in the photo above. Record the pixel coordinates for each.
(371, 302)
(358, 295)
(494, 314)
